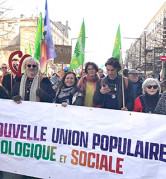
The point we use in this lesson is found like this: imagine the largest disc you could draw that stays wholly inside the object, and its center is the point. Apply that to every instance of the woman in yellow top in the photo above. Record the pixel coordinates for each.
(88, 83)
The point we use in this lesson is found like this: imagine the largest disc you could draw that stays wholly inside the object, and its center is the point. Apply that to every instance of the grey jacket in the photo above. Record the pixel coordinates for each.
(161, 105)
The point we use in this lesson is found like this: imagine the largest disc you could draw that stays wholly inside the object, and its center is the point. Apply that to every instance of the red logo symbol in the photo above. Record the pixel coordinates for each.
(19, 53)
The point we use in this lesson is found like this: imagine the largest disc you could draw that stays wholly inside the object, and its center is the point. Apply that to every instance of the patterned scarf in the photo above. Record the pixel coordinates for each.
(33, 89)
(64, 93)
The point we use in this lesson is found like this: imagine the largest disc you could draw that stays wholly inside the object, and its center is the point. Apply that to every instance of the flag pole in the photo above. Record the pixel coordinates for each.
(62, 67)
(122, 78)
(11, 80)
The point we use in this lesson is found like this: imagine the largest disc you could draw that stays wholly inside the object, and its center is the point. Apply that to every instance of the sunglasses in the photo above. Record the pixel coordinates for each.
(4, 67)
(150, 86)
(33, 66)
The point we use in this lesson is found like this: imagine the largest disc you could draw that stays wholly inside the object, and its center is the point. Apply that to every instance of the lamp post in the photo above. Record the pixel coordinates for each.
(139, 48)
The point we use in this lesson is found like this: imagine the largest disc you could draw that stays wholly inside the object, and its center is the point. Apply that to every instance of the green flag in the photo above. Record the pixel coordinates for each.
(117, 45)
(39, 35)
(29, 51)
(78, 56)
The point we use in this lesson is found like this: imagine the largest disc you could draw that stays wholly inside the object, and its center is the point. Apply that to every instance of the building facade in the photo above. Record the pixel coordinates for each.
(147, 50)
(18, 33)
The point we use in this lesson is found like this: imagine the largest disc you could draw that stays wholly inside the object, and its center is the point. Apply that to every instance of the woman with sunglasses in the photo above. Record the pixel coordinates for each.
(151, 94)
(67, 91)
(32, 86)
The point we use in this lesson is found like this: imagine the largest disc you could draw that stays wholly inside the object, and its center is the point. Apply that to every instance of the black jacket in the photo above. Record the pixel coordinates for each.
(102, 99)
(3, 93)
(48, 93)
(6, 83)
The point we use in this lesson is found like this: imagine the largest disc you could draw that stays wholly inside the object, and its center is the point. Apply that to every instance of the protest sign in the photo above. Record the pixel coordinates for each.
(50, 141)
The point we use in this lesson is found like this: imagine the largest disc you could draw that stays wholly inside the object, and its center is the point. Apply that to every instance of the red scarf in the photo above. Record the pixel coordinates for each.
(82, 84)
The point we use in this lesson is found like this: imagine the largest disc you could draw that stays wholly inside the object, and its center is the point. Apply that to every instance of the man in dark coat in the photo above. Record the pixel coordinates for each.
(11, 77)
(109, 89)
(136, 82)
(32, 86)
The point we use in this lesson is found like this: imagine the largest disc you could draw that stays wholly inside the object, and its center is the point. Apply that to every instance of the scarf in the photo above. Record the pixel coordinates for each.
(64, 94)
(34, 87)
(152, 100)
(92, 79)
(83, 80)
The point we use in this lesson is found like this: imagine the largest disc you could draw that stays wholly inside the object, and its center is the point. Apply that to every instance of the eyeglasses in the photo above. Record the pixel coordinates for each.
(90, 69)
(4, 67)
(152, 86)
(33, 66)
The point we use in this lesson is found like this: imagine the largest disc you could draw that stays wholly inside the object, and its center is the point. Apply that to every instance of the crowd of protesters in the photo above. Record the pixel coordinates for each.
(130, 92)
(92, 88)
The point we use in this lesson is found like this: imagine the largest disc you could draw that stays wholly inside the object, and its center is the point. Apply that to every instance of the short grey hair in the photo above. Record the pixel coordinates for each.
(25, 62)
(148, 81)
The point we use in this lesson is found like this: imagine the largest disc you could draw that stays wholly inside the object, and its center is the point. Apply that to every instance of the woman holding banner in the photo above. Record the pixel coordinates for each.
(67, 92)
(151, 94)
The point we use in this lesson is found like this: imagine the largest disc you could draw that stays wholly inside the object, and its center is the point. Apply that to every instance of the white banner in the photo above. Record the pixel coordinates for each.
(50, 141)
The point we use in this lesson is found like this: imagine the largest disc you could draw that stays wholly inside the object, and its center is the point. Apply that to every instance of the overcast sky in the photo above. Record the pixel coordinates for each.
(101, 17)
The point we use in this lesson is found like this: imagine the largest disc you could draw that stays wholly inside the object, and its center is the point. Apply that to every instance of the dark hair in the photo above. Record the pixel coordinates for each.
(63, 79)
(63, 82)
(15, 59)
(91, 63)
(113, 62)
(126, 72)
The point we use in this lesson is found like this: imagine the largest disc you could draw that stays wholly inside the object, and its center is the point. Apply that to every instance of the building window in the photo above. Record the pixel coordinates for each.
(9, 24)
